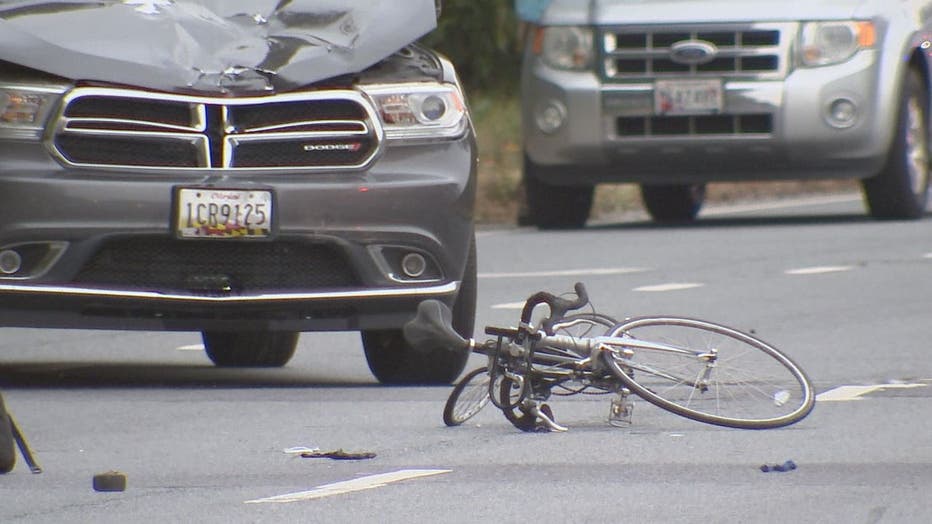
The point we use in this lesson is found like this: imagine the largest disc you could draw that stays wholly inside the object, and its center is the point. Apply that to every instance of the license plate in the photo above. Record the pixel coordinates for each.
(688, 97)
(223, 213)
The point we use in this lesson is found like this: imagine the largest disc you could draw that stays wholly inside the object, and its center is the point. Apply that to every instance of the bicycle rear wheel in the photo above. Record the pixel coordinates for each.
(710, 373)
(468, 397)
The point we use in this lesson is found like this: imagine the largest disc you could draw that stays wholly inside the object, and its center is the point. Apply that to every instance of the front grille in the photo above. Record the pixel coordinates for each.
(739, 51)
(217, 267)
(692, 125)
(122, 128)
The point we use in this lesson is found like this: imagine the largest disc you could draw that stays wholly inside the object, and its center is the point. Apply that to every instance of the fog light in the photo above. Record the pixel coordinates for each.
(842, 113)
(10, 262)
(551, 117)
(413, 265)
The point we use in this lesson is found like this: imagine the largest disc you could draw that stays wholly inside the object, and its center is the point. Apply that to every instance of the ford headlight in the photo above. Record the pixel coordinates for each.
(420, 110)
(24, 110)
(827, 43)
(565, 47)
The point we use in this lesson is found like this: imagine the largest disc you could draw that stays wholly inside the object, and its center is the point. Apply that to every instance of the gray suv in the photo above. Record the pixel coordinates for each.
(245, 169)
(673, 94)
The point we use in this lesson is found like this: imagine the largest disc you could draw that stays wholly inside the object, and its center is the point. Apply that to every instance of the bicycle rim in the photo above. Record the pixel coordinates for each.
(747, 384)
(468, 397)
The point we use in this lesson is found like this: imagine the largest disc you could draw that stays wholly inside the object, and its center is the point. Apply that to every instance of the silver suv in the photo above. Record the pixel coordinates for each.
(674, 94)
(248, 170)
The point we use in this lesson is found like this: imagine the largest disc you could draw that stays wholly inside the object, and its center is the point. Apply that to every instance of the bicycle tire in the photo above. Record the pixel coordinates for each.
(751, 385)
(468, 397)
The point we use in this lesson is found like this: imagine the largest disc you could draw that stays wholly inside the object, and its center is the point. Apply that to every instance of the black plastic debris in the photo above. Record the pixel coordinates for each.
(339, 454)
(789, 465)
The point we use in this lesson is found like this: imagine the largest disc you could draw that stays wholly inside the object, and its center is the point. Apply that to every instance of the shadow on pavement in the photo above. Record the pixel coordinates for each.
(742, 221)
(91, 375)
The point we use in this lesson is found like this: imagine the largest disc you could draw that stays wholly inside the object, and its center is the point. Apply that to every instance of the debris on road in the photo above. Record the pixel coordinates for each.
(339, 454)
(789, 465)
(110, 481)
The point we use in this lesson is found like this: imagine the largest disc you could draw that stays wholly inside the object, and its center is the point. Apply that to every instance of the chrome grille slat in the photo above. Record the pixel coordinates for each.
(127, 129)
(744, 52)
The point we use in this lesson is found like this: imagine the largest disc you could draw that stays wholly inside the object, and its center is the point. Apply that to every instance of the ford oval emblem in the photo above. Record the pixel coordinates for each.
(693, 52)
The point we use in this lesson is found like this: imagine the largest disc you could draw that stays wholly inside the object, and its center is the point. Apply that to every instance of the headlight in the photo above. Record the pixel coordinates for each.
(419, 110)
(565, 47)
(826, 43)
(23, 110)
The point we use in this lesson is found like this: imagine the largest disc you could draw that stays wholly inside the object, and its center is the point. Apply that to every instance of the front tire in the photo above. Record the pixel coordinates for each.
(901, 190)
(710, 373)
(555, 207)
(672, 203)
(237, 349)
(468, 397)
(393, 361)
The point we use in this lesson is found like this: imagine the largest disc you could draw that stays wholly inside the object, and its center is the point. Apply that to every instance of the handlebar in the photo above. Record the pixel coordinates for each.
(432, 327)
(558, 306)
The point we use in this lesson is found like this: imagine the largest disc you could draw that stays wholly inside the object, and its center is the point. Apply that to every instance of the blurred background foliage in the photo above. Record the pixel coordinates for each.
(481, 38)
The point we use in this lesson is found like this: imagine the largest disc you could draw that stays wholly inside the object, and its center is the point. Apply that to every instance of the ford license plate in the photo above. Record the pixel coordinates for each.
(688, 97)
(223, 213)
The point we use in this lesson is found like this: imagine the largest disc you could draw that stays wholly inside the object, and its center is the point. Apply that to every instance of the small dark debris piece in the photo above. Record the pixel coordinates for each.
(339, 455)
(789, 465)
(110, 481)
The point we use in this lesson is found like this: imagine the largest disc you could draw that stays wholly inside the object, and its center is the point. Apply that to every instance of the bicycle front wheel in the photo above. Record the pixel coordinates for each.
(710, 373)
(468, 397)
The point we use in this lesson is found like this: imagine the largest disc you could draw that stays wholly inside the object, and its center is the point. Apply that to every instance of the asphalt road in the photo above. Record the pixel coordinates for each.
(845, 296)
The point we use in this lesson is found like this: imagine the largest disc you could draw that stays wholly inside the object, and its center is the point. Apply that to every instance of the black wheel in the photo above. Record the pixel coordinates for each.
(250, 348)
(7, 451)
(710, 373)
(555, 207)
(901, 190)
(509, 399)
(393, 361)
(670, 203)
(468, 397)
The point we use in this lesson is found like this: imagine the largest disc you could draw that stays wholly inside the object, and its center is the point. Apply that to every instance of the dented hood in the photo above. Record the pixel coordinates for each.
(213, 46)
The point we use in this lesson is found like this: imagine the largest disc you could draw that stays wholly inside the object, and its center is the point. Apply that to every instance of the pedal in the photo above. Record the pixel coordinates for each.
(621, 410)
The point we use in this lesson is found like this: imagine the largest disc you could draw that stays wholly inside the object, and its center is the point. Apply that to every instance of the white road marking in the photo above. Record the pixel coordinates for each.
(566, 272)
(192, 347)
(846, 393)
(350, 486)
(780, 204)
(509, 305)
(673, 286)
(817, 270)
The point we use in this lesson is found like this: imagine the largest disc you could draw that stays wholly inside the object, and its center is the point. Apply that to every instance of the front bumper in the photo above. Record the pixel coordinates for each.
(54, 306)
(769, 129)
(414, 198)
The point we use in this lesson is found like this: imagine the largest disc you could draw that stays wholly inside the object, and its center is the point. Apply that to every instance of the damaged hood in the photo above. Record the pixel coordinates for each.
(212, 46)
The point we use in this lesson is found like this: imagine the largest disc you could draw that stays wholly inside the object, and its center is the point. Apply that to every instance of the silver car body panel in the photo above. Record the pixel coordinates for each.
(773, 123)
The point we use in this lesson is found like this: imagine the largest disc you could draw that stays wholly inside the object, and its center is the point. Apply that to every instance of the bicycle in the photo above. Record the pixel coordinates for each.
(697, 369)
